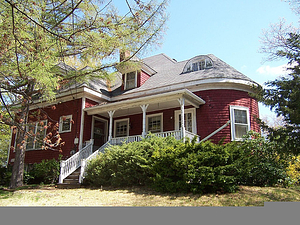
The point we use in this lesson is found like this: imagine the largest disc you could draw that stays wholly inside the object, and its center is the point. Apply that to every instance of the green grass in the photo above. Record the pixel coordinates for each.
(51, 196)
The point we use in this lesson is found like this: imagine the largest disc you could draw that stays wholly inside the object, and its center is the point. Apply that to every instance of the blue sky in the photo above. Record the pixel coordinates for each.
(229, 29)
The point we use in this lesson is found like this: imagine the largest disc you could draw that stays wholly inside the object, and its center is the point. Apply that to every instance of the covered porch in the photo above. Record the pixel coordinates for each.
(168, 114)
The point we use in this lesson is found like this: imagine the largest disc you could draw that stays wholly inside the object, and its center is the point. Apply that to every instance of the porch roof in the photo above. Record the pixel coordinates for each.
(156, 102)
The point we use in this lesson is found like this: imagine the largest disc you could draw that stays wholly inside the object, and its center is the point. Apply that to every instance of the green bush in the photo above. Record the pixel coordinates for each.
(5, 175)
(169, 165)
(266, 166)
(124, 165)
(46, 172)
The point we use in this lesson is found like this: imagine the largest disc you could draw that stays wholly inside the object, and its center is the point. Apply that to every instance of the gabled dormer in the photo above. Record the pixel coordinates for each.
(137, 77)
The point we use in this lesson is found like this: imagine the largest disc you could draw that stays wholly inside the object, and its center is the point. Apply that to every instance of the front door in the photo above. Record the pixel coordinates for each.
(99, 134)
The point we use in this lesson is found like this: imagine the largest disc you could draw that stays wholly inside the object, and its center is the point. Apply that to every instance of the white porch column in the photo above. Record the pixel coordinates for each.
(181, 102)
(81, 123)
(144, 108)
(111, 114)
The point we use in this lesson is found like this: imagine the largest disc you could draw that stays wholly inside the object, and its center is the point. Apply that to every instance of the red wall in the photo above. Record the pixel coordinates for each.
(142, 78)
(216, 112)
(210, 116)
(67, 108)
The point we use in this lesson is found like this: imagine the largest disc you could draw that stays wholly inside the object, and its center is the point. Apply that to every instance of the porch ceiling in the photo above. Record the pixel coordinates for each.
(156, 102)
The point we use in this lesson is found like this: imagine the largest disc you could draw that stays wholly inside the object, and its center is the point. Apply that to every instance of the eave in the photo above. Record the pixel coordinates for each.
(156, 102)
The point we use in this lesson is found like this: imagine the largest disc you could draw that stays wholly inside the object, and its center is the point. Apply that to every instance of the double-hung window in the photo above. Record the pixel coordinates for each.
(122, 128)
(36, 132)
(65, 123)
(155, 123)
(130, 80)
(240, 122)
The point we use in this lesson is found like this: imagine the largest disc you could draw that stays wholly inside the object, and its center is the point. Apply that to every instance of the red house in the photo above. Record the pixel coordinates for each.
(202, 97)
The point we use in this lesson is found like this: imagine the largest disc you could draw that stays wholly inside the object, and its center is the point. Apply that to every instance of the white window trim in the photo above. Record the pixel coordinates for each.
(36, 123)
(153, 115)
(191, 110)
(232, 108)
(125, 80)
(61, 123)
(115, 126)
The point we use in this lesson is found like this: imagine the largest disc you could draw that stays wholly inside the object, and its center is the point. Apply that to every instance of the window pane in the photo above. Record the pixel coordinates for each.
(66, 124)
(240, 130)
(202, 65)
(154, 124)
(36, 135)
(240, 116)
(121, 129)
(208, 63)
(195, 66)
(40, 134)
(130, 80)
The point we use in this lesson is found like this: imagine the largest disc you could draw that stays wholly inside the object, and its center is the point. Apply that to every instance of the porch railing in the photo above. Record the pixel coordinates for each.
(74, 162)
(177, 134)
(92, 156)
(121, 140)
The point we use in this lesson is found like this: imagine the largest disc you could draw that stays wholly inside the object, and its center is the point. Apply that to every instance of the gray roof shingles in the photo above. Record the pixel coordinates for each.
(169, 72)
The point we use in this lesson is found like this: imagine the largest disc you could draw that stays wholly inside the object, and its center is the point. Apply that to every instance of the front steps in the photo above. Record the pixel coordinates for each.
(72, 181)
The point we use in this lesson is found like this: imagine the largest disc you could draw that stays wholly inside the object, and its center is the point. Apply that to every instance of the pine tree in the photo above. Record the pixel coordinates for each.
(35, 35)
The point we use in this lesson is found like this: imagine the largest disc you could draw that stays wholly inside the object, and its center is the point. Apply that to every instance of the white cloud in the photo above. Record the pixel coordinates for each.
(273, 71)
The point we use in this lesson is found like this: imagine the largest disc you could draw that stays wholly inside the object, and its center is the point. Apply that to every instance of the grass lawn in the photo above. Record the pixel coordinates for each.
(51, 196)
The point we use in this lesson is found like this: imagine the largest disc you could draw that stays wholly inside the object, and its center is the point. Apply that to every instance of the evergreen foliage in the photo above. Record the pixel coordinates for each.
(169, 165)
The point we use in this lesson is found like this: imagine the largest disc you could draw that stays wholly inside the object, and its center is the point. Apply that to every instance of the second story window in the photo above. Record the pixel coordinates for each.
(130, 80)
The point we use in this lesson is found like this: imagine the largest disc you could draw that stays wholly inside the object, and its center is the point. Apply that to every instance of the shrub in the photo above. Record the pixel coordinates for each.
(5, 175)
(293, 170)
(46, 172)
(124, 165)
(169, 165)
(266, 166)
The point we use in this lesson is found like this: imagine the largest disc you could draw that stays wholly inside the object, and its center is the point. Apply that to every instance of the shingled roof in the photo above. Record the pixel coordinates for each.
(170, 72)
(167, 72)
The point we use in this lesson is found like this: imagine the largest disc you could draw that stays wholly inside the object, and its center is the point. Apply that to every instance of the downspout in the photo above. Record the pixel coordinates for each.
(81, 123)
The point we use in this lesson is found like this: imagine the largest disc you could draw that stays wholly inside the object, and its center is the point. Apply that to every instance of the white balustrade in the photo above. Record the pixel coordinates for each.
(176, 134)
(74, 162)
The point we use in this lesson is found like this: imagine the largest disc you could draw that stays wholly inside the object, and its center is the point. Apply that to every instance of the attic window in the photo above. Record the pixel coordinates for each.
(198, 63)
(130, 80)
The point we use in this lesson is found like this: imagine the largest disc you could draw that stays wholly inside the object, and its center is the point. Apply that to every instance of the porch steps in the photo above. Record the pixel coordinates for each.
(72, 181)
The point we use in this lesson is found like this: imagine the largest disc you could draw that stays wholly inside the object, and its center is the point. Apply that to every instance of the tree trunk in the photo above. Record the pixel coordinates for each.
(18, 166)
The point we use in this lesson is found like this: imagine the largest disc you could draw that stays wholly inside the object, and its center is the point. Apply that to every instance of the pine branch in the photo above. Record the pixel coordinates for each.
(13, 5)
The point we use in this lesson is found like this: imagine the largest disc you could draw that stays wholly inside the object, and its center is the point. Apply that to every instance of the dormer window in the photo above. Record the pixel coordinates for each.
(198, 63)
(130, 80)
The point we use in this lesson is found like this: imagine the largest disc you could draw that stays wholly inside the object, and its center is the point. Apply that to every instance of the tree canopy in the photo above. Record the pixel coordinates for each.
(36, 35)
(282, 95)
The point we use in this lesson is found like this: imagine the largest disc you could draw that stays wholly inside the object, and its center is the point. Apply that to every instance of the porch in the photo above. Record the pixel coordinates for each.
(130, 120)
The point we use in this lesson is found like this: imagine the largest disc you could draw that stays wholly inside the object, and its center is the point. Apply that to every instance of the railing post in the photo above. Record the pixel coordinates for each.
(82, 169)
(62, 165)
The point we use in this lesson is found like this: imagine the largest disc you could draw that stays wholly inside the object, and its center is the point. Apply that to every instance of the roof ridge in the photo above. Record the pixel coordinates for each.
(164, 55)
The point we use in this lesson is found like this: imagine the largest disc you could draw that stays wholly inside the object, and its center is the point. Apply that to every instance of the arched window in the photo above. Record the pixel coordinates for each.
(198, 63)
